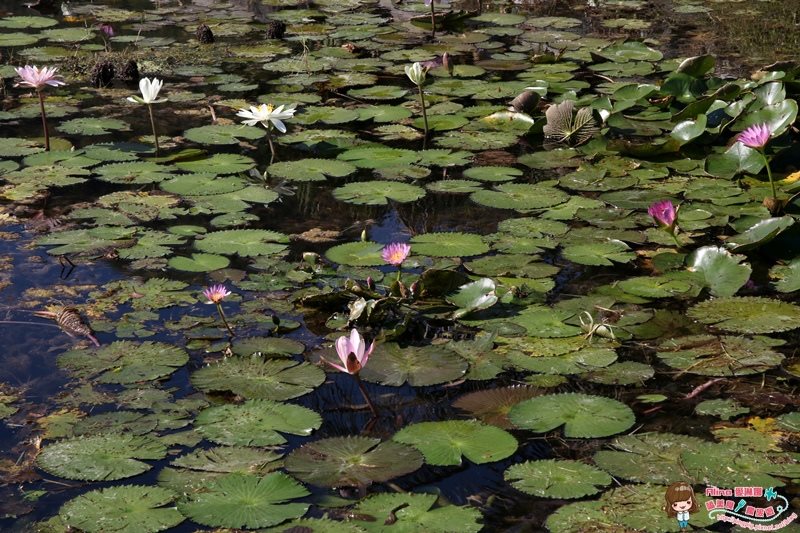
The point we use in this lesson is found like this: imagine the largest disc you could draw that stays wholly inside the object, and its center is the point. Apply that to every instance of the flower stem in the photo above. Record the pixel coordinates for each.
(224, 320)
(153, 126)
(271, 146)
(769, 174)
(424, 115)
(675, 238)
(363, 390)
(399, 272)
(433, 21)
(44, 122)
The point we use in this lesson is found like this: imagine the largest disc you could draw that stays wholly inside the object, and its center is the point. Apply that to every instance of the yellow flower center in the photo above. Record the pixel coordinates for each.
(270, 107)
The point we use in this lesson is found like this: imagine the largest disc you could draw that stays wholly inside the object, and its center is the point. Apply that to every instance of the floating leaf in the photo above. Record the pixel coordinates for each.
(359, 253)
(723, 272)
(563, 127)
(378, 192)
(443, 443)
(100, 457)
(125, 361)
(413, 513)
(760, 233)
(582, 415)
(199, 262)
(92, 126)
(245, 501)
(492, 405)
(243, 242)
(127, 509)
(255, 423)
(311, 169)
(351, 461)
(708, 355)
(420, 366)
(473, 296)
(557, 479)
(452, 244)
(256, 377)
(219, 134)
(748, 314)
(520, 196)
(724, 408)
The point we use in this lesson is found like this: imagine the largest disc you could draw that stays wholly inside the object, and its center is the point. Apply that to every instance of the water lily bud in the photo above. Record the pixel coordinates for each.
(364, 235)
(370, 283)
(447, 64)
(310, 257)
(414, 288)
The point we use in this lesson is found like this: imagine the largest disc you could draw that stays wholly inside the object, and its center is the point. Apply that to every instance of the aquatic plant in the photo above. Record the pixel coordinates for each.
(665, 214)
(149, 90)
(756, 137)
(270, 117)
(433, 17)
(354, 354)
(416, 73)
(38, 79)
(395, 254)
(215, 294)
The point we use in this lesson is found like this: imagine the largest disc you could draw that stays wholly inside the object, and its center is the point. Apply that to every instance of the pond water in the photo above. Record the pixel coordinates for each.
(547, 358)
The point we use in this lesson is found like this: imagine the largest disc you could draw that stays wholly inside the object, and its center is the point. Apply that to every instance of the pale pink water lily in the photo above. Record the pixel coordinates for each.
(36, 78)
(216, 293)
(663, 213)
(756, 136)
(396, 253)
(352, 352)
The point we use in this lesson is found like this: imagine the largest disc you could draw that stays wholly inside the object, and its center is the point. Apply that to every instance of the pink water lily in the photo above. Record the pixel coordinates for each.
(663, 213)
(216, 293)
(37, 78)
(396, 253)
(756, 136)
(353, 353)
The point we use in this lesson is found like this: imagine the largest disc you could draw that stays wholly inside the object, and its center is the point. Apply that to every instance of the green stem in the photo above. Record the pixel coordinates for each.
(424, 115)
(224, 320)
(271, 146)
(399, 272)
(433, 21)
(153, 126)
(363, 390)
(769, 174)
(44, 122)
(675, 238)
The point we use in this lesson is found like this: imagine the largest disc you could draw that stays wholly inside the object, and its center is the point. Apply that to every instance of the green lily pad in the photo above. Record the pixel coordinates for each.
(243, 242)
(218, 134)
(760, 233)
(273, 346)
(520, 196)
(375, 157)
(473, 296)
(125, 361)
(724, 408)
(100, 457)
(443, 443)
(93, 126)
(557, 479)
(219, 164)
(624, 373)
(202, 184)
(199, 262)
(27, 22)
(582, 415)
(414, 513)
(788, 276)
(351, 461)
(360, 253)
(311, 169)
(493, 173)
(245, 501)
(576, 362)
(492, 405)
(748, 314)
(723, 272)
(126, 509)
(378, 192)
(393, 365)
(601, 253)
(451, 244)
(255, 423)
(135, 172)
(256, 377)
(708, 355)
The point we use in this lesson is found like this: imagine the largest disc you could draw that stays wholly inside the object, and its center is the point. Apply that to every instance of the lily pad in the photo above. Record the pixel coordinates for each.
(709, 355)
(243, 242)
(452, 244)
(311, 169)
(393, 365)
(255, 423)
(218, 134)
(760, 233)
(520, 196)
(723, 272)
(557, 479)
(724, 408)
(582, 415)
(351, 461)
(199, 262)
(125, 361)
(443, 443)
(378, 192)
(747, 314)
(359, 253)
(492, 405)
(414, 513)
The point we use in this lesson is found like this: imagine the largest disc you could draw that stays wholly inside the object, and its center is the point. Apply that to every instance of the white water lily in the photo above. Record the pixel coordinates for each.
(268, 116)
(149, 90)
(416, 74)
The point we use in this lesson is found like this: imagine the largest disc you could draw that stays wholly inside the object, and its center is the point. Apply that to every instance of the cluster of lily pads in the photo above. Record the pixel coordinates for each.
(537, 255)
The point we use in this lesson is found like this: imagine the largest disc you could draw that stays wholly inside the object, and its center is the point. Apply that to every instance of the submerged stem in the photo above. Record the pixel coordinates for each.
(769, 174)
(44, 122)
(364, 393)
(424, 115)
(153, 126)
(271, 146)
(224, 320)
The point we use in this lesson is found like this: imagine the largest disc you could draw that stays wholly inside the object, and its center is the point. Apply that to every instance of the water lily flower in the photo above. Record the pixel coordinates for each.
(352, 352)
(107, 29)
(756, 136)
(38, 79)
(663, 213)
(416, 73)
(149, 90)
(396, 253)
(269, 117)
(216, 293)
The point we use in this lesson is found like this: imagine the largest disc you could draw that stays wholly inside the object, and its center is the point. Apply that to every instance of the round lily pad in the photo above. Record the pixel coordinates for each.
(202, 184)
(218, 164)
(245, 501)
(453, 244)
(218, 134)
(126, 509)
(378, 192)
(100, 457)
(443, 443)
(557, 479)
(254, 376)
(125, 361)
(377, 157)
(492, 405)
(311, 169)
(393, 365)
(724, 408)
(520, 196)
(747, 314)
(413, 513)
(199, 262)
(360, 253)
(92, 126)
(351, 461)
(255, 423)
(582, 415)
(709, 355)
(493, 173)
(243, 242)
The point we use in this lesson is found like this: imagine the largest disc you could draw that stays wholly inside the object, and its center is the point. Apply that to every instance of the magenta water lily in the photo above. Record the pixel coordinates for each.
(38, 79)
(665, 214)
(215, 294)
(756, 137)
(354, 355)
